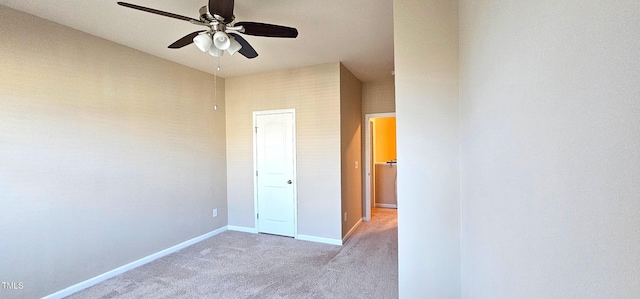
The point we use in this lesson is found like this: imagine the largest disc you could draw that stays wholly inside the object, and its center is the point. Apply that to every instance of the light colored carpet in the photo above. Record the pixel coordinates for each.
(242, 265)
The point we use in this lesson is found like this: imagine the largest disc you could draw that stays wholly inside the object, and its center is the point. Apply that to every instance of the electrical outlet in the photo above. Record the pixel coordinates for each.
(356, 164)
(215, 213)
(345, 217)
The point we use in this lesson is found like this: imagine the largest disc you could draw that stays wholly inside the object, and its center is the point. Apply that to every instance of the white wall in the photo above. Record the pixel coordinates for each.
(550, 109)
(428, 148)
(107, 155)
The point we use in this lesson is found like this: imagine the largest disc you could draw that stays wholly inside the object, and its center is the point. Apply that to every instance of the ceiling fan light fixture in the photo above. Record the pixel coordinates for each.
(221, 40)
(234, 46)
(203, 41)
(218, 17)
(215, 52)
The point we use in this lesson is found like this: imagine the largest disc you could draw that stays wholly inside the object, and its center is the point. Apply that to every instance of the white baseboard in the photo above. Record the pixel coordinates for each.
(319, 239)
(252, 230)
(102, 277)
(351, 231)
(243, 229)
(386, 205)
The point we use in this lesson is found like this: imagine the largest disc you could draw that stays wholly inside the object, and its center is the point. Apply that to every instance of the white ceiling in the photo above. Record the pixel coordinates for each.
(359, 33)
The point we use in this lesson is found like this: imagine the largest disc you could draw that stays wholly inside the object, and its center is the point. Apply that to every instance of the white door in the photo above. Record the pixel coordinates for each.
(275, 181)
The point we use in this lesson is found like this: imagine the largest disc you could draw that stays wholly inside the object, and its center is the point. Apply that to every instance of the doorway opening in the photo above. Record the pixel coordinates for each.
(380, 162)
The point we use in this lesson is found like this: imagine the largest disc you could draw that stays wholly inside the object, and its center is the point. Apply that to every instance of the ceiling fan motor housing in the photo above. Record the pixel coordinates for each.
(207, 17)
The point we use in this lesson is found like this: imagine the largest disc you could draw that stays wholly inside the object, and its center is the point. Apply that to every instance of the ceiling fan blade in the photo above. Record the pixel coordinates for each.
(270, 30)
(186, 40)
(158, 12)
(223, 8)
(246, 50)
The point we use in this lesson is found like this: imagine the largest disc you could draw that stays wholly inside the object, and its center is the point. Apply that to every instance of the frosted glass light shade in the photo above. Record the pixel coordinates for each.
(202, 41)
(215, 52)
(234, 46)
(221, 40)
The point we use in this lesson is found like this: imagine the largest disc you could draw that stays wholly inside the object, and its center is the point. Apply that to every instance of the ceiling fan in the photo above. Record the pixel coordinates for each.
(222, 33)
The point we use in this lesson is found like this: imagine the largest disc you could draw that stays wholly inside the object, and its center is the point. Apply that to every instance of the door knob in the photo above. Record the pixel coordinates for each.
(289, 182)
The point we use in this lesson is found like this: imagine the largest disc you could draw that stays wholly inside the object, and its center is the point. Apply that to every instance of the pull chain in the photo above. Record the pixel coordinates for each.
(215, 85)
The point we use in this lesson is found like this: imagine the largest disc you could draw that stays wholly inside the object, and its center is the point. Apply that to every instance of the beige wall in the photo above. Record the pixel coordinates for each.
(385, 187)
(315, 94)
(378, 97)
(426, 65)
(550, 108)
(350, 139)
(107, 155)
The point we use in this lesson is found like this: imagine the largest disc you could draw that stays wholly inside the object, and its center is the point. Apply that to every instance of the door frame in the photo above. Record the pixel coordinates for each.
(368, 160)
(295, 167)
